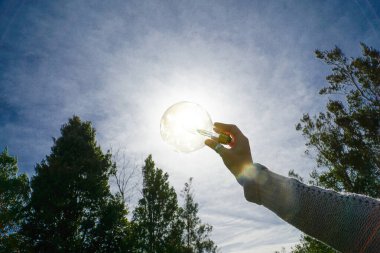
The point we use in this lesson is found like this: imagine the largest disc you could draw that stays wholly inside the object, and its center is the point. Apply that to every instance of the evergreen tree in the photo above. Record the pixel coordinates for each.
(14, 194)
(112, 233)
(71, 207)
(196, 234)
(346, 138)
(157, 225)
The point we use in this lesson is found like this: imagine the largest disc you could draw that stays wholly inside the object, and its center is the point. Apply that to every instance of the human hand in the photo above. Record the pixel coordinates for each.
(238, 156)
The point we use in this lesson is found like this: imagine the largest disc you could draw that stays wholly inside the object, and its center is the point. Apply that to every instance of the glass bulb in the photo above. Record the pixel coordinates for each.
(185, 126)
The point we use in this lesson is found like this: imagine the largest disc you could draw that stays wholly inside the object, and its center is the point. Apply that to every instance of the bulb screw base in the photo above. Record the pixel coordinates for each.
(224, 139)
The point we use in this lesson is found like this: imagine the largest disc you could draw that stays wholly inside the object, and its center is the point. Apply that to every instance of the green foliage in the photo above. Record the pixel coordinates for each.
(71, 207)
(113, 230)
(160, 225)
(157, 224)
(196, 234)
(14, 194)
(346, 138)
(310, 245)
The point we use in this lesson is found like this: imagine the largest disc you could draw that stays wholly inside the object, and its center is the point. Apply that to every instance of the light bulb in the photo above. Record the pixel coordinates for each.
(186, 125)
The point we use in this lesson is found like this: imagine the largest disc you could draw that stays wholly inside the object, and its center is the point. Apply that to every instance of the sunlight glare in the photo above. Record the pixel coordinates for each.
(179, 126)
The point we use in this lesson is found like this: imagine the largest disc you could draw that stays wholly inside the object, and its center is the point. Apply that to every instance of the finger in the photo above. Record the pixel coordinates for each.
(220, 131)
(212, 144)
(233, 129)
(233, 137)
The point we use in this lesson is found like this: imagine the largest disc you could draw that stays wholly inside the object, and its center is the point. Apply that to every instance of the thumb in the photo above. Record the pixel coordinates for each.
(212, 144)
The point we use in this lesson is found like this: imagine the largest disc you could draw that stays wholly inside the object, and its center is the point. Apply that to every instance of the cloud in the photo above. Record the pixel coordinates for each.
(121, 65)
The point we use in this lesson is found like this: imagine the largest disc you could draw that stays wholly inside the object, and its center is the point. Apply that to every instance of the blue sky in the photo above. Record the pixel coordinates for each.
(120, 64)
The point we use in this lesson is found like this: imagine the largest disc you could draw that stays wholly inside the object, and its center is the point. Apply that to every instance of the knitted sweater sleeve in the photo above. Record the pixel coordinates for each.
(346, 222)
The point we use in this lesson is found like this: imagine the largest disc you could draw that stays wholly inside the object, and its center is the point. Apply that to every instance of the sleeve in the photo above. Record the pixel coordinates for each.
(346, 222)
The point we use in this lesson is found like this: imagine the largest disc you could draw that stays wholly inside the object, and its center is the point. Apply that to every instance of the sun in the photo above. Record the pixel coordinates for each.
(180, 124)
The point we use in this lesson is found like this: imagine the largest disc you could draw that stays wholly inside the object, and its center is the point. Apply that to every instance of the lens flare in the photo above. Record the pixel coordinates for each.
(180, 124)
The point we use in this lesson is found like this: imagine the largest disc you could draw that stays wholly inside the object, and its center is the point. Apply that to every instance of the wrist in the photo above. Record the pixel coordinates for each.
(247, 173)
(252, 178)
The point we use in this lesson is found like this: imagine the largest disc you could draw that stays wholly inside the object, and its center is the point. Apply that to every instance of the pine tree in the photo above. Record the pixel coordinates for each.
(71, 204)
(157, 226)
(14, 195)
(346, 138)
(196, 234)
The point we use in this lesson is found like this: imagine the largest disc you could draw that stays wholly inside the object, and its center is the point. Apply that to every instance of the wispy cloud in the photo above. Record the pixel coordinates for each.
(121, 65)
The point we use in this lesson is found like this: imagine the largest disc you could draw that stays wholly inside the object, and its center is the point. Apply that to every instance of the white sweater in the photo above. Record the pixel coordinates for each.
(349, 223)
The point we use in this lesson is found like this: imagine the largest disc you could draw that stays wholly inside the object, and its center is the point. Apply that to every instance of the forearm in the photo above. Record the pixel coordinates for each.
(349, 223)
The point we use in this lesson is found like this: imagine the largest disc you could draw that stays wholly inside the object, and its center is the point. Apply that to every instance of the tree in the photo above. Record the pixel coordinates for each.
(113, 232)
(127, 177)
(346, 138)
(196, 234)
(310, 245)
(14, 194)
(282, 250)
(157, 225)
(71, 204)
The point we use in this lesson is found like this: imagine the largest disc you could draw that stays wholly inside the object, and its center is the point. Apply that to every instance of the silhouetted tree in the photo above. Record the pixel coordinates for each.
(157, 225)
(196, 234)
(310, 245)
(282, 250)
(71, 207)
(14, 194)
(127, 178)
(346, 138)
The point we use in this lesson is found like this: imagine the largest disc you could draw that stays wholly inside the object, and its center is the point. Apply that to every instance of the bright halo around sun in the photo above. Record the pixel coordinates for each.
(180, 123)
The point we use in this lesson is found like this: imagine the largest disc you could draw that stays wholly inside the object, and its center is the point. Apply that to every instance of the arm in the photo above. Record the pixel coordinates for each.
(347, 222)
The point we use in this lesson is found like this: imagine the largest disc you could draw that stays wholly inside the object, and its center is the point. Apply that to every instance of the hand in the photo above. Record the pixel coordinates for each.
(238, 156)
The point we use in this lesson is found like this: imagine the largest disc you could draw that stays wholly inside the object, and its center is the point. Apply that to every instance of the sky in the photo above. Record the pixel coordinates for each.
(121, 64)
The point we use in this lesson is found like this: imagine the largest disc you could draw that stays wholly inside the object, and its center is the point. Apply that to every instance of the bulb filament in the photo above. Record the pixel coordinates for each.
(221, 138)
